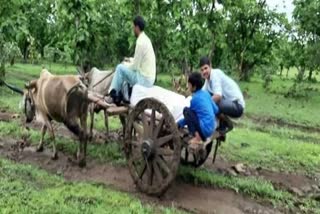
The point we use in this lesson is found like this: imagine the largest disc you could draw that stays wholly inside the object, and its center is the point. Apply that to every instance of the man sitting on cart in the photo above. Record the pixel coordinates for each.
(200, 116)
(142, 70)
(225, 93)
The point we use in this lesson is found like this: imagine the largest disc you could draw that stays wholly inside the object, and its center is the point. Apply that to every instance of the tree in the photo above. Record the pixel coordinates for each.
(12, 22)
(250, 33)
(306, 17)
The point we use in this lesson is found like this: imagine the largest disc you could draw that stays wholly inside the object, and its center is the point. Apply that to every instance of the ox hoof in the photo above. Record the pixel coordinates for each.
(54, 156)
(39, 149)
(90, 138)
(82, 163)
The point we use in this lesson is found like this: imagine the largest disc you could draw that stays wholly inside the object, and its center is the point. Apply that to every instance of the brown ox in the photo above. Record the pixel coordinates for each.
(62, 98)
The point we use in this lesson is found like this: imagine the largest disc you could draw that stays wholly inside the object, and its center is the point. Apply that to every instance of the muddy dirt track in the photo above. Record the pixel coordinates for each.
(181, 195)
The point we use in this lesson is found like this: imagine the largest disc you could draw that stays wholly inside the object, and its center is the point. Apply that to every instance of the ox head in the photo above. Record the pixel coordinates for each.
(28, 94)
(84, 74)
(28, 100)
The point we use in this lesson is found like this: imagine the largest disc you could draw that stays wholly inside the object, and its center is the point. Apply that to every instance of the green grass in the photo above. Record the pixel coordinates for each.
(34, 70)
(27, 189)
(280, 131)
(254, 187)
(111, 153)
(296, 110)
(273, 152)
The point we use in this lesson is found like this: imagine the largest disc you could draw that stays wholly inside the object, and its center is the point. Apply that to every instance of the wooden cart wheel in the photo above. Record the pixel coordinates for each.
(152, 146)
(189, 159)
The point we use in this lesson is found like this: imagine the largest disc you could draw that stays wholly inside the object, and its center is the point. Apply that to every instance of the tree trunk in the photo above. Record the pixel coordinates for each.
(310, 75)
(25, 51)
(244, 70)
(287, 75)
(185, 66)
(137, 7)
(281, 69)
(213, 47)
(301, 71)
(2, 72)
(12, 61)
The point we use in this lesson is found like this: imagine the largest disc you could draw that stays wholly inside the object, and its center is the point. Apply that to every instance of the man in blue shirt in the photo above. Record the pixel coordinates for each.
(200, 117)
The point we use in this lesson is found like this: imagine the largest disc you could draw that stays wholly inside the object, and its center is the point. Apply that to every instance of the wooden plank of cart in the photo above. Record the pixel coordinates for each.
(153, 144)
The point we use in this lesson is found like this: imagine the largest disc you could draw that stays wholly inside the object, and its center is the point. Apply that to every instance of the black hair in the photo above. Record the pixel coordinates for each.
(195, 79)
(138, 21)
(204, 61)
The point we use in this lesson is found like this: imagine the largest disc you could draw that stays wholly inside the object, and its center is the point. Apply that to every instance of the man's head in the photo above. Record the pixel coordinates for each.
(205, 67)
(195, 82)
(138, 25)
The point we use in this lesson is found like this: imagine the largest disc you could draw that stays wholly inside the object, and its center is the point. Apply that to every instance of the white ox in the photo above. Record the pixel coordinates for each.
(99, 82)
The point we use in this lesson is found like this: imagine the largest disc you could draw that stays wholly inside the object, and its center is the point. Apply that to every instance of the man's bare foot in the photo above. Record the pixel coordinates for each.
(195, 140)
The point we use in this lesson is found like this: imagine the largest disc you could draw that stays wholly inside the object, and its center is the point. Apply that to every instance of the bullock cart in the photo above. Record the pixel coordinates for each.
(153, 144)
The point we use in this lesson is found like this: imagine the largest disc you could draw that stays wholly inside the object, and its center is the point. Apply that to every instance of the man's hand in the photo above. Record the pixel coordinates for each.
(216, 98)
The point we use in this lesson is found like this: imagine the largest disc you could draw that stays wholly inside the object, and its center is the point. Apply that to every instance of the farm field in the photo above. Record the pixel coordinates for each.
(270, 162)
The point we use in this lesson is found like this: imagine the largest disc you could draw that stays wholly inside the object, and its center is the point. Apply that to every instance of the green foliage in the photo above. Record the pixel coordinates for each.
(251, 34)
(307, 36)
(236, 35)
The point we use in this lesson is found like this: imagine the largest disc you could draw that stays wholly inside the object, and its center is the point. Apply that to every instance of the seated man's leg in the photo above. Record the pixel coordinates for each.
(141, 80)
(192, 122)
(123, 73)
(230, 108)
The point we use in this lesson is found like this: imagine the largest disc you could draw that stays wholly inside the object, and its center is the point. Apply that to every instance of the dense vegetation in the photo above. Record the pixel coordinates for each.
(243, 37)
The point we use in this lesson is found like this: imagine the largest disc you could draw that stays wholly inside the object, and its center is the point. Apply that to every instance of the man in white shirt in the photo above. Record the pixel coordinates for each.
(142, 69)
(224, 90)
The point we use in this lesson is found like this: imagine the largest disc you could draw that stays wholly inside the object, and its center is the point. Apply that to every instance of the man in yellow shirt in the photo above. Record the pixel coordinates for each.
(142, 69)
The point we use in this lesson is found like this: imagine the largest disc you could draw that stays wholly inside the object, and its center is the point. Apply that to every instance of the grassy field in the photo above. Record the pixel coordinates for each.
(277, 133)
(27, 189)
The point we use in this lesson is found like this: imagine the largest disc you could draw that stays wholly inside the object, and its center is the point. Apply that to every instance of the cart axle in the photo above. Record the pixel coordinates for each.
(147, 149)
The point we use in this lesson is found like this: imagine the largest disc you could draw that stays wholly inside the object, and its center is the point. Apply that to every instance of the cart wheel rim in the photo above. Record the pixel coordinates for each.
(152, 146)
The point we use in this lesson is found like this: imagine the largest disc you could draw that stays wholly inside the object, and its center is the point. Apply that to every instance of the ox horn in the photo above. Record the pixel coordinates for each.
(13, 88)
(80, 71)
(31, 84)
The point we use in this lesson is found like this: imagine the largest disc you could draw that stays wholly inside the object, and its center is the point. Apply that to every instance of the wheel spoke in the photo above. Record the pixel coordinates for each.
(145, 125)
(152, 122)
(165, 151)
(163, 165)
(158, 128)
(150, 174)
(186, 154)
(143, 170)
(138, 128)
(157, 172)
(163, 140)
